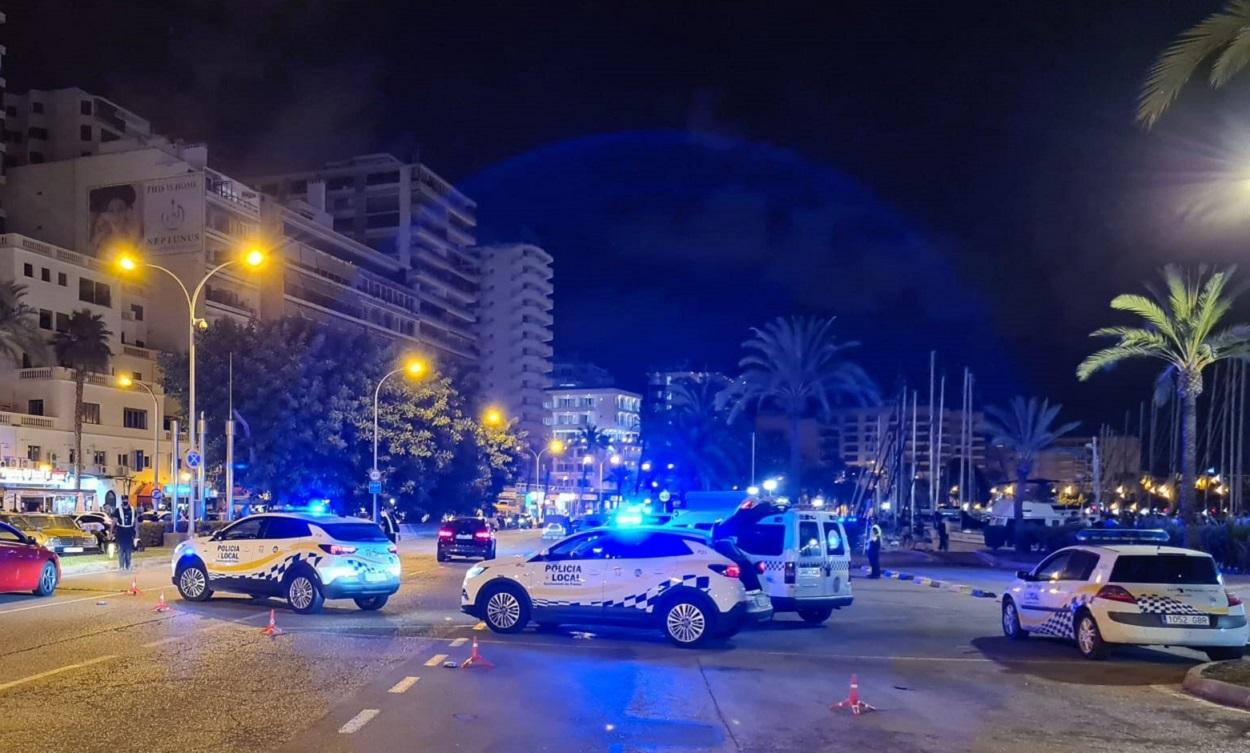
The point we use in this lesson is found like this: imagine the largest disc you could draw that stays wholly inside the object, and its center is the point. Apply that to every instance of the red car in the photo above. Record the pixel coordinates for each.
(26, 566)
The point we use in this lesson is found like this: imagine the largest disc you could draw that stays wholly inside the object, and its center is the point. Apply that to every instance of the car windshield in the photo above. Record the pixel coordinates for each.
(1165, 568)
(51, 521)
(354, 531)
(17, 521)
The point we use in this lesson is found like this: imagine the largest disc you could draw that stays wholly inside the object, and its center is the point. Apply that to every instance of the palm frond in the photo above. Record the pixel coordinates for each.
(1108, 357)
(1177, 64)
(1147, 309)
(1233, 59)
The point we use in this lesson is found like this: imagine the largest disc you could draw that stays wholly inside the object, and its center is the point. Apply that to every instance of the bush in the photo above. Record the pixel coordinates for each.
(151, 534)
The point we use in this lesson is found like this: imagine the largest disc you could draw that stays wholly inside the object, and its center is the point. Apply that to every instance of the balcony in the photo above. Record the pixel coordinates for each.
(28, 421)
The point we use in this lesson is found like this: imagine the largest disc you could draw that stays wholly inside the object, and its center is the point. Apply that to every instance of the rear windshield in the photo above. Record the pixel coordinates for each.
(467, 524)
(1165, 568)
(354, 531)
(762, 538)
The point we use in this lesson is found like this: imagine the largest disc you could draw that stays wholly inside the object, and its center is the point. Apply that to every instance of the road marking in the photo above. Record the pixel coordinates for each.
(436, 660)
(63, 602)
(480, 626)
(162, 641)
(358, 721)
(403, 685)
(57, 671)
(459, 642)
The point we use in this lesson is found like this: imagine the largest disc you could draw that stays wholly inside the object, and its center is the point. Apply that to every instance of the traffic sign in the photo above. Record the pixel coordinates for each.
(665, 496)
(193, 459)
(157, 494)
(375, 475)
(375, 487)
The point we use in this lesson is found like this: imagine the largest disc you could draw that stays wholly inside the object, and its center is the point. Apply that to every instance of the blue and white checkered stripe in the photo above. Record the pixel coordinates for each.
(644, 601)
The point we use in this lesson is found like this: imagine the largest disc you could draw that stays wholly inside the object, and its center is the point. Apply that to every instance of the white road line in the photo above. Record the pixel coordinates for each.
(436, 660)
(162, 641)
(61, 603)
(57, 671)
(403, 685)
(480, 626)
(459, 642)
(358, 721)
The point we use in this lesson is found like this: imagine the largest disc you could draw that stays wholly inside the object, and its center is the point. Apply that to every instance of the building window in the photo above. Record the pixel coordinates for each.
(62, 280)
(336, 184)
(11, 111)
(34, 407)
(45, 274)
(382, 220)
(123, 460)
(343, 224)
(33, 453)
(91, 413)
(84, 106)
(36, 107)
(94, 292)
(381, 179)
(28, 270)
(62, 322)
(45, 319)
(136, 311)
(36, 158)
(139, 459)
(387, 203)
(35, 132)
(99, 457)
(84, 132)
(106, 135)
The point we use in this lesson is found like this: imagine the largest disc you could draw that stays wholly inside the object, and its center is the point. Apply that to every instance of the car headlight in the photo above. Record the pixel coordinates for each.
(474, 571)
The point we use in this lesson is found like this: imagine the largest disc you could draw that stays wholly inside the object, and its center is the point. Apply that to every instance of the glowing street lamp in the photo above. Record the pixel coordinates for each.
(414, 368)
(770, 485)
(126, 382)
(129, 262)
(493, 417)
(555, 447)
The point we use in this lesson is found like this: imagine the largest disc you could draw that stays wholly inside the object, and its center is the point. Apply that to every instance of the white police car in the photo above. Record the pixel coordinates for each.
(302, 558)
(1126, 588)
(675, 580)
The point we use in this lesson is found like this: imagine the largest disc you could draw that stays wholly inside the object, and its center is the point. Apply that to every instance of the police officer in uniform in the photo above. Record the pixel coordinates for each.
(389, 526)
(124, 528)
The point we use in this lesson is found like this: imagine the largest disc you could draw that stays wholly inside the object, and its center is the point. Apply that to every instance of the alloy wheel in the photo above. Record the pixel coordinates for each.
(301, 592)
(686, 622)
(192, 582)
(503, 610)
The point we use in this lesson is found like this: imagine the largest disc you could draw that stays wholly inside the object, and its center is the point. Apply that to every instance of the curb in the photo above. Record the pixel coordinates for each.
(94, 568)
(934, 583)
(1216, 691)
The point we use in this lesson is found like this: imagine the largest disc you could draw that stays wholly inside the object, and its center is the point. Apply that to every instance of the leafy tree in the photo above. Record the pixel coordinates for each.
(1221, 37)
(794, 365)
(697, 436)
(1025, 428)
(1180, 329)
(83, 347)
(19, 330)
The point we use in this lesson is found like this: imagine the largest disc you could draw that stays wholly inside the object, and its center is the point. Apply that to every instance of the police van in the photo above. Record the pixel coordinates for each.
(678, 581)
(305, 559)
(803, 556)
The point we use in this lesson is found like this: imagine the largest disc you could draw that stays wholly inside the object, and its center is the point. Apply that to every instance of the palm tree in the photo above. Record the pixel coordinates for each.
(696, 432)
(1180, 330)
(592, 441)
(19, 330)
(1025, 428)
(794, 365)
(1221, 37)
(84, 347)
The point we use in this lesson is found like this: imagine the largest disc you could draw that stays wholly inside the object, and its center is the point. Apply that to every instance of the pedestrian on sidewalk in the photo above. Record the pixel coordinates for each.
(389, 526)
(873, 549)
(944, 538)
(124, 525)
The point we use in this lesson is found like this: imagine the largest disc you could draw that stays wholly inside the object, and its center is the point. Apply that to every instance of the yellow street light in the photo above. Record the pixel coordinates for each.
(556, 447)
(127, 263)
(588, 459)
(254, 258)
(124, 381)
(493, 417)
(415, 367)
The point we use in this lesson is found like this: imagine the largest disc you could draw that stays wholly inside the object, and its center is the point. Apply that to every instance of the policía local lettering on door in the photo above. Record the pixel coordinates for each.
(558, 574)
(228, 552)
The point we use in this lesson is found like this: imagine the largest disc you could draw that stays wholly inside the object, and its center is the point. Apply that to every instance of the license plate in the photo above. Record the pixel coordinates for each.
(1186, 619)
(72, 550)
(465, 537)
(809, 572)
(375, 577)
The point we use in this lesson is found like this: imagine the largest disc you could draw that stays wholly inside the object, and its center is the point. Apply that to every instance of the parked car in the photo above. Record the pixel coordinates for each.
(466, 537)
(97, 524)
(25, 565)
(554, 531)
(56, 532)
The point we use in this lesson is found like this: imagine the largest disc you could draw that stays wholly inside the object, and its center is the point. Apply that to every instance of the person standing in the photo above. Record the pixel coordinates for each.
(124, 525)
(873, 549)
(389, 526)
(944, 538)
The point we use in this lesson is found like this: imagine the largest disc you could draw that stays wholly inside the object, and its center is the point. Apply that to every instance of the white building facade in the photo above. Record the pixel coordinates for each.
(614, 412)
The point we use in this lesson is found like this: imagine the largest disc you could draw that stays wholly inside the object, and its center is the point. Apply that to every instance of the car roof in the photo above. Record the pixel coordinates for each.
(1140, 550)
(309, 517)
(670, 530)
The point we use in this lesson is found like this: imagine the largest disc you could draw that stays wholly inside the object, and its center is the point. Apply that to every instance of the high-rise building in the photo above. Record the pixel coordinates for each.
(409, 213)
(614, 412)
(514, 332)
(573, 373)
(60, 124)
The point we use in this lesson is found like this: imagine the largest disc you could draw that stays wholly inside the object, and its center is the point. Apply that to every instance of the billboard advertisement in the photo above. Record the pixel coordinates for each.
(159, 216)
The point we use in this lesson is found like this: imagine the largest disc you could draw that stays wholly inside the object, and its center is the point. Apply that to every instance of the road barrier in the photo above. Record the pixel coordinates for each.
(475, 658)
(935, 583)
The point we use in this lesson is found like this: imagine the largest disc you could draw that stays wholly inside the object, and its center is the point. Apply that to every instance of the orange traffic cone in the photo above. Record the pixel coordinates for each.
(134, 587)
(161, 606)
(476, 659)
(272, 629)
(852, 701)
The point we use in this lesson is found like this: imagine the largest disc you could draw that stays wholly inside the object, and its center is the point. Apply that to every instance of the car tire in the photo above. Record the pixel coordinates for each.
(47, 580)
(440, 556)
(1224, 653)
(504, 608)
(1088, 638)
(688, 621)
(193, 583)
(303, 592)
(1011, 621)
(490, 553)
(371, 603)
(816, 616)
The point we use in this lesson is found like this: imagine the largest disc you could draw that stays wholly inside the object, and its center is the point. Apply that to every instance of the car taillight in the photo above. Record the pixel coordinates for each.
(789, 577)
(1233, 601)
(483, 535)
(444, 533)
(1115, 593)
(761, 567)
(729, 571)
(338, 549)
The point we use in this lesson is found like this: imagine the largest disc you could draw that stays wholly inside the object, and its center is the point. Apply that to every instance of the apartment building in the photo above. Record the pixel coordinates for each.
(406, 211)
(616, 413)
(60, 124)
(514, 333)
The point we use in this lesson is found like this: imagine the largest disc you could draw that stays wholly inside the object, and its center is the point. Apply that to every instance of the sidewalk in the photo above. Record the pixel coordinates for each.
(101, 563)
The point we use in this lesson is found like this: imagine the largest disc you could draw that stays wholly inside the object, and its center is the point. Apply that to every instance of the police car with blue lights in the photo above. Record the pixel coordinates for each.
(1126, 587)
(690, 588)
(303, 558)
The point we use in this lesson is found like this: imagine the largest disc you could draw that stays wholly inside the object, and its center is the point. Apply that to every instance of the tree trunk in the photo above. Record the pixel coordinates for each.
(796, 457)
(79, 378)
(1190, 386)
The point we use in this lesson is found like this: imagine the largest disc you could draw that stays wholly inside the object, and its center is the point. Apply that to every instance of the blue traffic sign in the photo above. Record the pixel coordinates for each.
(375, 487)
(157, 494)
(193, 459)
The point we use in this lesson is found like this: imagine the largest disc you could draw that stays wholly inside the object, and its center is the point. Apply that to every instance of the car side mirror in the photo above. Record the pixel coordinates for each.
(1024, 575)
(215, 537)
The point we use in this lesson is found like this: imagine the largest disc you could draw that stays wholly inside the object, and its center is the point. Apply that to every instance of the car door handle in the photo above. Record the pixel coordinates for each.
(616, 570)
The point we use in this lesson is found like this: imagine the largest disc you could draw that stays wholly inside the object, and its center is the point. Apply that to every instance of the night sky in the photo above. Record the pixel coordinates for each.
(965, 177)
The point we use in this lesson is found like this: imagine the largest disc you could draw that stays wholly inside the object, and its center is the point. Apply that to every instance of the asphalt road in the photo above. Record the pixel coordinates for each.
(201, 677)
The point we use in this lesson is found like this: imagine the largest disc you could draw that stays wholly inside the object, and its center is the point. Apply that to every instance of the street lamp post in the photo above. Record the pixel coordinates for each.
(129, 263)
(555, 447)
(124, 382)
(414, 368)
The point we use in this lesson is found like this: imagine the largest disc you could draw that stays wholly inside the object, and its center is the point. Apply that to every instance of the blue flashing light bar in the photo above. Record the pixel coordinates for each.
(1123, 536)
